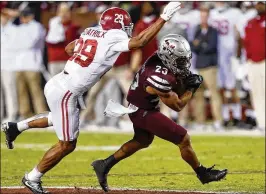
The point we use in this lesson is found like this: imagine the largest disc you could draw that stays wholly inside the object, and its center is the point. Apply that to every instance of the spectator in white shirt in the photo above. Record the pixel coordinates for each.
(29, 63)
(8, 76)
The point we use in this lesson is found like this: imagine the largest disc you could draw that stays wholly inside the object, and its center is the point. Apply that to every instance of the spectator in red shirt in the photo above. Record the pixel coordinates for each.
(148, 16)
(61, 32)
(254, 43)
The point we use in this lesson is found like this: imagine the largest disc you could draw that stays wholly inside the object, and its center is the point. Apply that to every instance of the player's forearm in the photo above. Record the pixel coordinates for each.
(146, 35)
(172, 101)
(183, 100)
(175, 102)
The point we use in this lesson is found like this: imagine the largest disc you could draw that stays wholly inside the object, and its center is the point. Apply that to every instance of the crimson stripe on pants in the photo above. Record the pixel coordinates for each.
(63, 115)
(67, 121)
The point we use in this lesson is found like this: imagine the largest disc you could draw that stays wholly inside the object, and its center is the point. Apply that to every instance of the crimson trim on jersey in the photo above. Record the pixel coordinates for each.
(67, 120)
(63, 115)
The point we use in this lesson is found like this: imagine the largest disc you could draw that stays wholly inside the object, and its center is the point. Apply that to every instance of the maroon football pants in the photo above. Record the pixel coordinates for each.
(151, 123)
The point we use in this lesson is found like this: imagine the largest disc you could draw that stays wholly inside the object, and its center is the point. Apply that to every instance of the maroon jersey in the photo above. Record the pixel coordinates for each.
(153, 73)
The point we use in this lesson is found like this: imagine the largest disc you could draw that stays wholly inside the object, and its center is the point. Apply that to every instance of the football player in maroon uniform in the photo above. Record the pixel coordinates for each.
(157, 80)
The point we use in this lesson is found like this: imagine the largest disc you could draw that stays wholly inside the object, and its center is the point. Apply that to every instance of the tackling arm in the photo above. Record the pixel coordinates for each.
(148, 34)
(171, 99)
(70, 48)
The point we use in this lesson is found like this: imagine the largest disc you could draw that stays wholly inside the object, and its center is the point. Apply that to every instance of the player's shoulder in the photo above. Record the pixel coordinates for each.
(114, 36)
(116, 33)
(158, 72)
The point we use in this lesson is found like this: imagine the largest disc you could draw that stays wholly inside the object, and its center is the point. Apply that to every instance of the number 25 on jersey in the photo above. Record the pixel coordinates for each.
(84, 52)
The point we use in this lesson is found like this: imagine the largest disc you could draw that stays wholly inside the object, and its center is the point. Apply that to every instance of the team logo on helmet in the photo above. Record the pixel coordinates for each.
(175, 53)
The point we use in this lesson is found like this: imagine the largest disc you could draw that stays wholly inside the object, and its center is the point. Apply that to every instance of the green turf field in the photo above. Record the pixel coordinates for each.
(158, 167)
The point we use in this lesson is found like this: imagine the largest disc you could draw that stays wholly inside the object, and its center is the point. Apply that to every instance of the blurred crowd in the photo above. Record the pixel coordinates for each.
(227, 40)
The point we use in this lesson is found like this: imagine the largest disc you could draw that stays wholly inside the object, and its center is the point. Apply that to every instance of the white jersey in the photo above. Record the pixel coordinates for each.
(225, 22)
(95, 53)
(248, 15)
(187, 21)
(8, 46)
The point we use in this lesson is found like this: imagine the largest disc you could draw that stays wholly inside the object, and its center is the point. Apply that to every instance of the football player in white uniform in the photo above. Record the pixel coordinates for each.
(92, 55)
(224, 19)
(187, 19)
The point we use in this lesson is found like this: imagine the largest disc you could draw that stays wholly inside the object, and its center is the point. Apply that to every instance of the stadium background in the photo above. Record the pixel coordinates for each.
(94, 144)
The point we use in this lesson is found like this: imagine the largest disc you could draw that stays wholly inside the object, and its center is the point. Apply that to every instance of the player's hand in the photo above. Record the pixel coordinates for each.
(170, 9)
(193, 82)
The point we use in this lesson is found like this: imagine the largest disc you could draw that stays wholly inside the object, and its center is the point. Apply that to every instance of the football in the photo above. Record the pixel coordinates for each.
(179, 88)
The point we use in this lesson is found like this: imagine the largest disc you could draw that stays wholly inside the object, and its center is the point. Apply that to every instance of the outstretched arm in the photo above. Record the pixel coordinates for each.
(148, 34)
(171, 99)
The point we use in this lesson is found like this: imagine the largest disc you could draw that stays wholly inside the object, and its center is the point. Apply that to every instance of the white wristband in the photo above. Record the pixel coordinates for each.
(164, 17)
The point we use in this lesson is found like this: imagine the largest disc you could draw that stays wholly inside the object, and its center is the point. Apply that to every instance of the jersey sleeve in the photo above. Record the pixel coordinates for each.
(159, 82)
(118, 40)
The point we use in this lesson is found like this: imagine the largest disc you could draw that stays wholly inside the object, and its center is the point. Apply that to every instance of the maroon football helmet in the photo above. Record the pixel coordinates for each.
(116, 18)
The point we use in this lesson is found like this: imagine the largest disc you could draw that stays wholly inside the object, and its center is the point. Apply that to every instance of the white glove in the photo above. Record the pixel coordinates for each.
(170, 9)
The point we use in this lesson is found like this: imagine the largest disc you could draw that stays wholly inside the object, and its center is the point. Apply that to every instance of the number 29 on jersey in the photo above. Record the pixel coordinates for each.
(84, 52)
